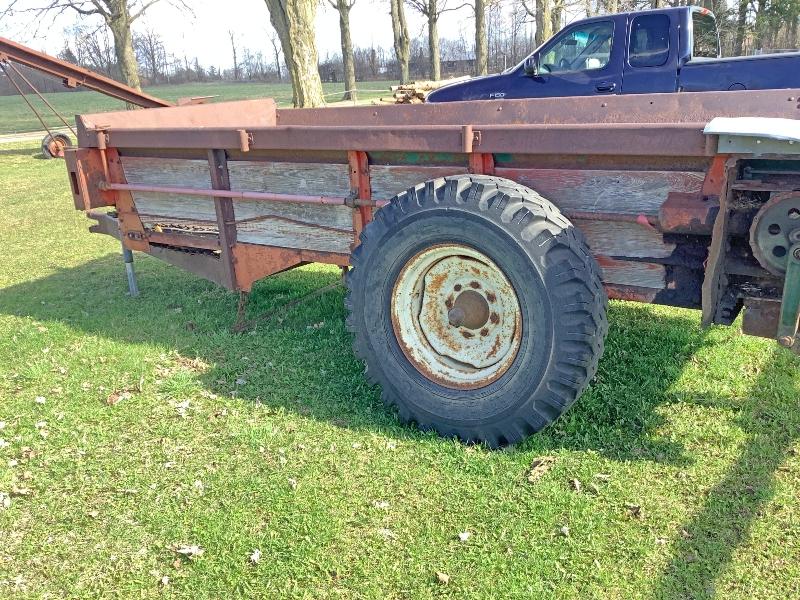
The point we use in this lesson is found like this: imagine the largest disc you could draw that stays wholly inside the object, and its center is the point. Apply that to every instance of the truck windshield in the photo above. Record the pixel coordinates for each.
(706, 40)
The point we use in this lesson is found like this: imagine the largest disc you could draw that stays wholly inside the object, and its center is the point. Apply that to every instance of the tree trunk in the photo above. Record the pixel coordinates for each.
(555, 17)
(235, 59)
(544, 22)
(294, 22)
(348, 62)
(277, 61)
(433, 41)
(402, 50)
(481, 40)
(761, 24)
(741, 27)
(120, 25)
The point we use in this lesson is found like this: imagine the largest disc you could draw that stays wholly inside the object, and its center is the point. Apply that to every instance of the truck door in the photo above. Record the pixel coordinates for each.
(651, 61)
(580, 61)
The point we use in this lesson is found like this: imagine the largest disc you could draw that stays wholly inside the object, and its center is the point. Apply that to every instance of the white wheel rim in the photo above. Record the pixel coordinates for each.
(456, 316)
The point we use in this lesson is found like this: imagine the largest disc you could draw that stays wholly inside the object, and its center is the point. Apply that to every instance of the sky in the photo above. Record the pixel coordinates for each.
(205, 33)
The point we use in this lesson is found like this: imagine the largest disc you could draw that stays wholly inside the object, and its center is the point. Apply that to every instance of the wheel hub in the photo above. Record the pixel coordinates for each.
(456, 316)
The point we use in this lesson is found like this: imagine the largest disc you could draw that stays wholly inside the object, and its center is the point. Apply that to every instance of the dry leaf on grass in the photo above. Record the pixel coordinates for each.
(115, 398)
(442, 578)
(539, 467)
(189, 551)
(634, 510)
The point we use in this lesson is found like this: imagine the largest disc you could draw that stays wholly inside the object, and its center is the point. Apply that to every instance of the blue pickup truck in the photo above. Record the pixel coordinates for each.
(662, 50)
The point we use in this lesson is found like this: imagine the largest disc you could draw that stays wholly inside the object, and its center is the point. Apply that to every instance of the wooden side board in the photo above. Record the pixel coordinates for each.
(626, 272)
(286, 224)
(329, 228)
(630, 192)
(616, 239)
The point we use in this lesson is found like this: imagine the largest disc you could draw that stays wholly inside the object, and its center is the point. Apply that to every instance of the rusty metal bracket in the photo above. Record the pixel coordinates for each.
(790, 304)
(245, 140)
(469, 138)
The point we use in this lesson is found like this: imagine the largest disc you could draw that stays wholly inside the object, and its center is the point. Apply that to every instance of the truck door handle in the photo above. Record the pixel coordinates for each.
(606, 86)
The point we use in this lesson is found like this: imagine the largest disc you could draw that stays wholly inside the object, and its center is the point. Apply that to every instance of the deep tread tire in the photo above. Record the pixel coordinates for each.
(557, 281)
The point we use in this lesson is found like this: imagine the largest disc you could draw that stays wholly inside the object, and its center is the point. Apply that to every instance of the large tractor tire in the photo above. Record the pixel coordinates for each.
(477, 307)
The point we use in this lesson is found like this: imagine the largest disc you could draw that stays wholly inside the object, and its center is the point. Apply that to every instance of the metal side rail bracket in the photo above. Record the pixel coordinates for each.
(790, 305)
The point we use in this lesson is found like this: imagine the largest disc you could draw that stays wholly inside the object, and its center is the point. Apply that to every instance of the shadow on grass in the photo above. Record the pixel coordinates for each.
(180, 312)
(711, 537)
(319, 377)
(28, 151)
(298, 364)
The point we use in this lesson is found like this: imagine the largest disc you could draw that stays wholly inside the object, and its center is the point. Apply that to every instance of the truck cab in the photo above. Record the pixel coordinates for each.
(662, 50)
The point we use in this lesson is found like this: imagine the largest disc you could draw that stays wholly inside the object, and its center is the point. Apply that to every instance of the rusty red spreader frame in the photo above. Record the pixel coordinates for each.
(635, 173)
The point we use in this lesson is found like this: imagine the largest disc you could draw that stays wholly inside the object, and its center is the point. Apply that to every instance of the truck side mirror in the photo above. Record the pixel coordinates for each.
(531, 65)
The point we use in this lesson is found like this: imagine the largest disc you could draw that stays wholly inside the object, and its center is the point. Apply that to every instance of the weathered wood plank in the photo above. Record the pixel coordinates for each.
(295, 225)
(625, 272)
(388, 181)
(287, 224)
(617, 239)
(290, 178)
(167, 171)
(630, 192)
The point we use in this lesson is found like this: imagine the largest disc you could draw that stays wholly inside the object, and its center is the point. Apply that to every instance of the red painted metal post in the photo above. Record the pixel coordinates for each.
(481, 163)
(361, 189)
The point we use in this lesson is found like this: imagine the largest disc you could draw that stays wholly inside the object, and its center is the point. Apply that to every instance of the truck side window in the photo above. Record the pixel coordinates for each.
(580, 49)
(649, 43)
(704, 32)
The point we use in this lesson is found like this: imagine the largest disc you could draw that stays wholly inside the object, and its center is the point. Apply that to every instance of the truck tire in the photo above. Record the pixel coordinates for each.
(477, 307)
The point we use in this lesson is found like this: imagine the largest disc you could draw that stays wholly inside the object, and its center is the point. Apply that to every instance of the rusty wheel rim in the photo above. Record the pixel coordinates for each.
(456, 316)
(56, 148)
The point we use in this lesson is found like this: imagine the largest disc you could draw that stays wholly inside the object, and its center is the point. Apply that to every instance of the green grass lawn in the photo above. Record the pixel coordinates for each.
(16, 117)
(157, 428)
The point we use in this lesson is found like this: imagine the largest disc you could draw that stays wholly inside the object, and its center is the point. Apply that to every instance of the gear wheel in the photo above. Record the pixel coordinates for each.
(775, 229)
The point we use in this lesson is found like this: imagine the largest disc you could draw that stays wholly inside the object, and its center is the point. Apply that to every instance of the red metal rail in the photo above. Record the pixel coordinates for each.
(73, 75)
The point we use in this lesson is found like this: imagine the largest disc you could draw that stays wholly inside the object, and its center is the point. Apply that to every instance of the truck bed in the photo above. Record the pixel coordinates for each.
(764, 71)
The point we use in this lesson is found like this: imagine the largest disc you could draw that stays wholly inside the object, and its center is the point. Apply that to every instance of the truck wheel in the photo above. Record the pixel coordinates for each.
(477, 307)
(53, 145)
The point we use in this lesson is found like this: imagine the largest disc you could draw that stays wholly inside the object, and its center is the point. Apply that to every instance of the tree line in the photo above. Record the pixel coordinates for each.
(504, 32)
